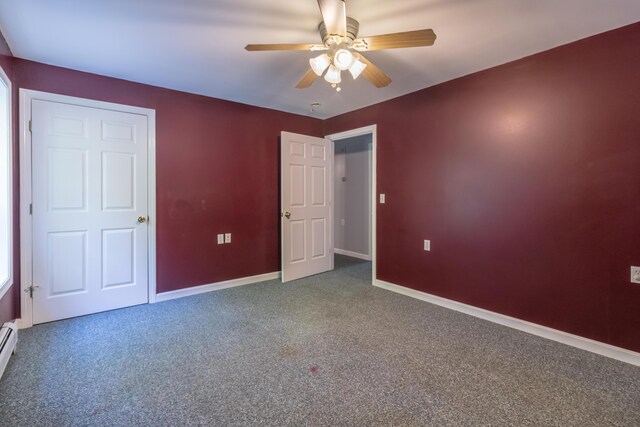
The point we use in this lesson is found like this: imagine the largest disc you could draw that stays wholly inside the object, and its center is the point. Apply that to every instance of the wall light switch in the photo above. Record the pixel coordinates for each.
(382, 199)
(427, 245)
(635, 274)
(220, 239)
(227, 238)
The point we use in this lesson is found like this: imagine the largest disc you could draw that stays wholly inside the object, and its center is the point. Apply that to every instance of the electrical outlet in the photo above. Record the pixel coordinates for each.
(220, 239)
(342, 221)
(427, 245)
(635, 275)
(382, 199)
(227, 237)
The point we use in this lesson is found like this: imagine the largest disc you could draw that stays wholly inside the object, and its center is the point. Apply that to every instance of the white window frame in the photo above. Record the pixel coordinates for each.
(6, 284)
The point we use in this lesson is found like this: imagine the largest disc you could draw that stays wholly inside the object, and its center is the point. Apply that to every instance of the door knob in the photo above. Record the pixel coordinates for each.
(287, 215)
(141, 219)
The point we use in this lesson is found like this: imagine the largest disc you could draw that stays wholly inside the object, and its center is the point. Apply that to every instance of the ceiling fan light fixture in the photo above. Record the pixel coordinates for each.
(357, 68)
(343, 59)
(333, 75)
(320, 63)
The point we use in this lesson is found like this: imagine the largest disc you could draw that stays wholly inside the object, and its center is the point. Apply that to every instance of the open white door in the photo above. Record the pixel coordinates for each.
(306, 205)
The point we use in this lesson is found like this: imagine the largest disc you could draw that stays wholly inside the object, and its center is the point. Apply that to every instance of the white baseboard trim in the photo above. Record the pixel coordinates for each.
(20, 324)
(181, 293)
(352, 254)
(587, 344)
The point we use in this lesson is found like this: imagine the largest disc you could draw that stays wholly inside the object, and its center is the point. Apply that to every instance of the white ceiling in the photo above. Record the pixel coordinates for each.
(198, 45)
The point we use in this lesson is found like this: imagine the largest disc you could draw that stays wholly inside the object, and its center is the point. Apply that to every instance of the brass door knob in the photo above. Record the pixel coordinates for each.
(141, 219)
(287, 215)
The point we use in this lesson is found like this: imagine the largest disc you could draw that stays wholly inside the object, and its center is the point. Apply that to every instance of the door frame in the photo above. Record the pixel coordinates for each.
(367, 130)
(26, 226)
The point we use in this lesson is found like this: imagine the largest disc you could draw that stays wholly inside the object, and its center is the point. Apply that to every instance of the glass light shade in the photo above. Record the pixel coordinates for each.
(320, 63)
(356, 68)
(333, 75)
(342, 59)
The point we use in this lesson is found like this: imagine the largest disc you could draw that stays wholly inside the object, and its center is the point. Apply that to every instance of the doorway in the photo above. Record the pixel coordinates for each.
(355, 196)
(352, 194)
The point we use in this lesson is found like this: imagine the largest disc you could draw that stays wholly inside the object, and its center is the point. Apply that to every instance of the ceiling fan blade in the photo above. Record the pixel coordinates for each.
(396, 40)
(307, 80)
(373, 73)
(300, 46)
(334, 16)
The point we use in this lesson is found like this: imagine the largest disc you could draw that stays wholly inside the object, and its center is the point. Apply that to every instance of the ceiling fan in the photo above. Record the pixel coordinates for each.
(343, 48)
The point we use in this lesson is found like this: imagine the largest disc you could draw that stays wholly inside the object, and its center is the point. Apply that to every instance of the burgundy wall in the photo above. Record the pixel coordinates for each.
(526, 178)
(5, 50)
(217, 171)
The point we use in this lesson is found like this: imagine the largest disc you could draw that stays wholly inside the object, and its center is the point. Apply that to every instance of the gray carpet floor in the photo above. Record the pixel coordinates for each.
(325, 350)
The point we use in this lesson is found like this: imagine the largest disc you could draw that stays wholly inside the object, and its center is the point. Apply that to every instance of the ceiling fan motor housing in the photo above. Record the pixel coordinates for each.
(352, 31)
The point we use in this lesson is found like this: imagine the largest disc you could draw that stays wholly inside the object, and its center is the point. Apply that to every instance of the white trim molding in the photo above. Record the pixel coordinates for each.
(26, 231)
(373, 131)
(582, 343)
(195, 290)
(352, 254)
(9, 202)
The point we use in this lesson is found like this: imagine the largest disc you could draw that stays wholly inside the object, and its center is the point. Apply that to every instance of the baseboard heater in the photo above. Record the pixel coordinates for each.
(8, 342)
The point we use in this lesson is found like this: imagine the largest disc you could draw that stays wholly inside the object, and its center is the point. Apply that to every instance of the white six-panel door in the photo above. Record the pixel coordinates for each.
(89, 193)
(306, 202)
